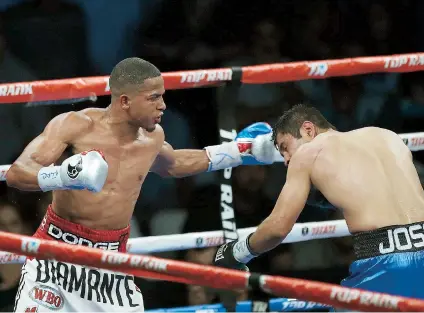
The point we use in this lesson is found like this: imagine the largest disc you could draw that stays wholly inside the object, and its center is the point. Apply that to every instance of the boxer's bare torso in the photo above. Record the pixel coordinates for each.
(369, 174)
(129, 159)
(129, 154)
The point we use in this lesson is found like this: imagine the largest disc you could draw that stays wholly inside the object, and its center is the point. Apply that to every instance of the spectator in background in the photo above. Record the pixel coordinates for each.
(250, 203)
(314, 27)
(344, 99)
(33, 205)
(413, 102)
(263, 47)
(193, 21)
(54, 34)
(10, 221)
(19, 124)
(259, 102)
(380, 27)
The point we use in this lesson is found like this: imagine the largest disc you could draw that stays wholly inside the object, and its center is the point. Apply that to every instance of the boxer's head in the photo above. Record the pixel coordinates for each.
(298, 126)
(137, 88)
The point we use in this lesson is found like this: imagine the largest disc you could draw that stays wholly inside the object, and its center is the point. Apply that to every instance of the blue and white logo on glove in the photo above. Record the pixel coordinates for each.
(256, 146)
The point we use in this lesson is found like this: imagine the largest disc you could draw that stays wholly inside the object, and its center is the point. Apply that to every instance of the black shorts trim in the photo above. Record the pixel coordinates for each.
(390, 239)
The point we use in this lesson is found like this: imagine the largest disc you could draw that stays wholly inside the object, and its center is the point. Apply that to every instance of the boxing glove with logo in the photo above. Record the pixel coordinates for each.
(234, 254)
(86, 170)
(252, 146)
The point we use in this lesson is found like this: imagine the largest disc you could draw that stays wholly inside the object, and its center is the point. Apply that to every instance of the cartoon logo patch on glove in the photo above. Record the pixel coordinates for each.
(74, 168)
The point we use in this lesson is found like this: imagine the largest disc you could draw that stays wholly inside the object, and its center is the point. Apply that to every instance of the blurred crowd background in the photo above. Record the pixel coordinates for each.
(48, 39)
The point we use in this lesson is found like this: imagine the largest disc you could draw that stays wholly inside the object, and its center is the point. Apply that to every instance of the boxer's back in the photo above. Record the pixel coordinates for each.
(369, 174)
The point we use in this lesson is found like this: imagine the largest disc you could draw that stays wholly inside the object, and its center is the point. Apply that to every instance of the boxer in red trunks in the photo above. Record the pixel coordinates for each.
(96, 188)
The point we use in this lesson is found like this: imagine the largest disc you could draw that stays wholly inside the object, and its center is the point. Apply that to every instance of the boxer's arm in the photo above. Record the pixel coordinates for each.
(289, 205)
(180, 163)
(278, 224)
(46, 149)
(252, 146)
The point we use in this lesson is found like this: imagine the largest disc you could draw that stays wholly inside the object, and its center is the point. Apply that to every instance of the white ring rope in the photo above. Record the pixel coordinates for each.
(300, 231)
(414, 141)
(145, 245)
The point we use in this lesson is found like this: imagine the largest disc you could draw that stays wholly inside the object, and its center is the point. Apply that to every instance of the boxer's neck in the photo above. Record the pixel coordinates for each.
(324, 130)
(117, 120)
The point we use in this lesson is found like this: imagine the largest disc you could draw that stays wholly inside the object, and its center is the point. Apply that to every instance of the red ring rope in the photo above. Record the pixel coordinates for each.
(86, 87)
(211, 276)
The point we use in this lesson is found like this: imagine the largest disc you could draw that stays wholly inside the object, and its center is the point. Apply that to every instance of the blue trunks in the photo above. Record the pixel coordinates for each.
(389, 260)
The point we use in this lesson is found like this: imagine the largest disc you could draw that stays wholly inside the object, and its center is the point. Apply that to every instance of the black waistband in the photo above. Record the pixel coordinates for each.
(390, 239)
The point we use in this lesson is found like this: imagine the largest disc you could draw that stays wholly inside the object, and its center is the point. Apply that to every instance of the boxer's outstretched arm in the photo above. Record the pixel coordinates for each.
(290, 204)
(252, 146)
(46, 149)
(180, 163)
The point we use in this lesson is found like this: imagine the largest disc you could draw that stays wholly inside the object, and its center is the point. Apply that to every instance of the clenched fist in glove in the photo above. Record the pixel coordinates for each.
(234, 254)
(252, 146)
(86, 170)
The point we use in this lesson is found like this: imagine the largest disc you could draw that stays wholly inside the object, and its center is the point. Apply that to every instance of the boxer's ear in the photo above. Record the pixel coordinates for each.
(124, 101)
(309, 129)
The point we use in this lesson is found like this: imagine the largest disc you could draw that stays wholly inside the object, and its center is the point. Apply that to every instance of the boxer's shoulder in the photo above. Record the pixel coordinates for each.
(90, 115)
(69, 124)
(370, 132)
(80, 118)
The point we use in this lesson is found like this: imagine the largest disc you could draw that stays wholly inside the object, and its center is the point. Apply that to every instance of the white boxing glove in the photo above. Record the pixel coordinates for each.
(86, 170)
(252, 146)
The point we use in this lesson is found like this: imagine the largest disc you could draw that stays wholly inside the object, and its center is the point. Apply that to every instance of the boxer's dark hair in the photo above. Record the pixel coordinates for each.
(131, 73)
(291, 121)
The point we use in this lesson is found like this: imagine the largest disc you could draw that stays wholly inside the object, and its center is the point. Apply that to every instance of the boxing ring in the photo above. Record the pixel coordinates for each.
(312, 295)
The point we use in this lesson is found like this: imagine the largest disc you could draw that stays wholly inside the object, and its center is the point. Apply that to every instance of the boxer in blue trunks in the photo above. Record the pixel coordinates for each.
(369, 175)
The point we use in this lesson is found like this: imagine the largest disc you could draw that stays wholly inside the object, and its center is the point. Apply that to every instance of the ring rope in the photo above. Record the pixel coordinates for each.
(91, 87)
(211, 276)
(414, 141)
(152, 244)
(273, 305)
